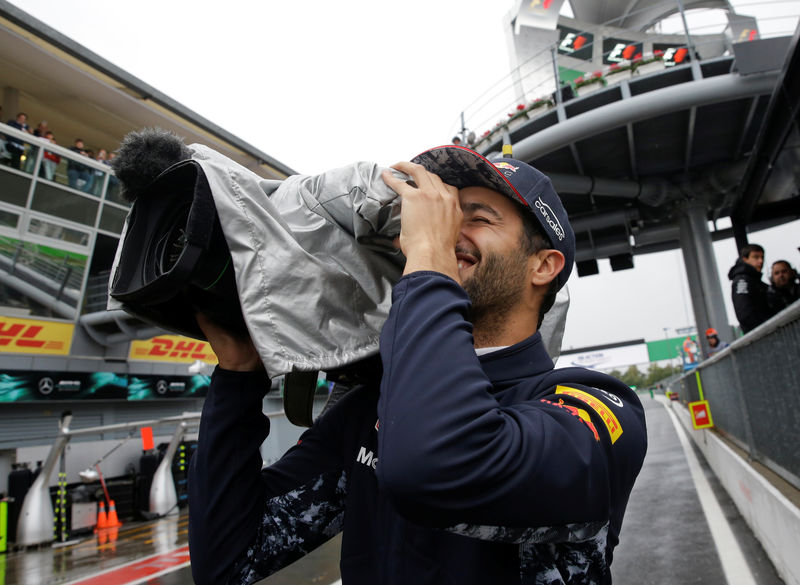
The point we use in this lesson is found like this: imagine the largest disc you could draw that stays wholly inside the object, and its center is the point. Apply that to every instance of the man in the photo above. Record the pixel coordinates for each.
(783, 289)
(749, 293)
(715, 344)
(477, 462)
(14, 146)
(78, 175)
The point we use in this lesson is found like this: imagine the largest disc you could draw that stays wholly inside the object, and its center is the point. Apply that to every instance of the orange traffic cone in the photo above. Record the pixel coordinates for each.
(102, 519)
(113, 521)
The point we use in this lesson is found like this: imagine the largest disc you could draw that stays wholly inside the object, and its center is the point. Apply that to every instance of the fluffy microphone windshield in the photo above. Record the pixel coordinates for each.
(143, 156)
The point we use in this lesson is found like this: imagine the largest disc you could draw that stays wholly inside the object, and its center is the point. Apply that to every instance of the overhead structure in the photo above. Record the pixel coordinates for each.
(645, 149)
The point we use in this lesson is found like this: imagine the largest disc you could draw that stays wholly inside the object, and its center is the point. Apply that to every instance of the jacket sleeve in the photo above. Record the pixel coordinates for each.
(450, 454)
(245, 522)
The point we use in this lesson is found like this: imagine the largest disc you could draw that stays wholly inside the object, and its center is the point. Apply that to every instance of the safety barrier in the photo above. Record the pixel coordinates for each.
(753, 392)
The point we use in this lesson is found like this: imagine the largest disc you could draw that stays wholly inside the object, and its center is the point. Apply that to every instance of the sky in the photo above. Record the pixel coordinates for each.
(320, 84)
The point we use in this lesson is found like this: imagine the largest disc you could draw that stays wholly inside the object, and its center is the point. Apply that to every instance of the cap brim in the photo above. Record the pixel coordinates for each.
(462, 167)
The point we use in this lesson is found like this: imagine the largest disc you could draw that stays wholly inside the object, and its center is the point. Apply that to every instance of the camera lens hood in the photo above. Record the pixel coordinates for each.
(174, 259)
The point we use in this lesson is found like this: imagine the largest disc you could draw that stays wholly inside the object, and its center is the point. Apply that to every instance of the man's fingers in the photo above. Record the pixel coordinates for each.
(424, 178)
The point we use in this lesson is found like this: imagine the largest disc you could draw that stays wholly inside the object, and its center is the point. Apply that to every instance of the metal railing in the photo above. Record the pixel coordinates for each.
(62, 274)
(530, 89)
(753, 392)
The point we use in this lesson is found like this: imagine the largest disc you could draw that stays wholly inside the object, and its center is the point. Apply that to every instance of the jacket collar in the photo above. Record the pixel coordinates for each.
(521, 360)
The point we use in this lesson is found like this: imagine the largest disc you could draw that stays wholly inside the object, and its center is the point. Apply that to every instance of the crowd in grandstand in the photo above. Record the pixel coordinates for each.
(14, 153)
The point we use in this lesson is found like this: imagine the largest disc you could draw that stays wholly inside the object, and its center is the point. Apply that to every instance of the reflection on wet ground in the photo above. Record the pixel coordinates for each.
(93, 553)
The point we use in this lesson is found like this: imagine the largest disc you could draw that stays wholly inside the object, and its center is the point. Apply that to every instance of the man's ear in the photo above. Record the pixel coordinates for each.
(545, 266)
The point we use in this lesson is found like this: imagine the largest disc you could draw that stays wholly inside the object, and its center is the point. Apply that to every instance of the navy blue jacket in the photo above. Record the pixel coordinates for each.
(462, 469)
(749, 295)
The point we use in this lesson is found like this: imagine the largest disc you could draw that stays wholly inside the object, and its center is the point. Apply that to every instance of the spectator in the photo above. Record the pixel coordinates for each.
(783, 289)
(748, 291)
(14, 146)
(50, 160)
(98, 175)
(456, 140)
(715, 344)
(79, 176)
(41, 129)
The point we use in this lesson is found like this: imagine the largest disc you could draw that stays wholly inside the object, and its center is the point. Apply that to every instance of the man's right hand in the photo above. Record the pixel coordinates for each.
(235, 353)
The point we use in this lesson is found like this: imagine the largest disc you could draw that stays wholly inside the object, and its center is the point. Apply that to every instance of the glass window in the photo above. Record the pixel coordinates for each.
(41, 227)
(112, 219)
(50, 199)
(14, 188)
(8, 219)
(55, 274)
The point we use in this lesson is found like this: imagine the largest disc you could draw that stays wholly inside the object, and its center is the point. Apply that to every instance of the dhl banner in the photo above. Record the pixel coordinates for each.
(34, 336)
(172, 348)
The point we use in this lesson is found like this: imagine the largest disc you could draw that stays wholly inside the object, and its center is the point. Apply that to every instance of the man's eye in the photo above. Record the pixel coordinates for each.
(481, 219)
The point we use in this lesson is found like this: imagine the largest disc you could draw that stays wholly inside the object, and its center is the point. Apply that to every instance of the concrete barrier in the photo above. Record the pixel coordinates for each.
(773, 518)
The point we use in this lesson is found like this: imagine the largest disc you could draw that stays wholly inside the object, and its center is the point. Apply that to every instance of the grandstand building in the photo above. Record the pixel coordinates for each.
(61, 214)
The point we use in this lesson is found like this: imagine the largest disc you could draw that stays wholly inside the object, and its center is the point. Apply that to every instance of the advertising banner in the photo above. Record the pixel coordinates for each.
(538, 13)
(19, 386)
(34, 336)
(742, 28)
(575, 43)
(671, 54)
(619, 50)
(606, 358)
(172, 348)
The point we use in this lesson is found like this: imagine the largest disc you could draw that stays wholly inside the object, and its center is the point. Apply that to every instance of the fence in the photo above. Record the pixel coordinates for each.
(753, 391)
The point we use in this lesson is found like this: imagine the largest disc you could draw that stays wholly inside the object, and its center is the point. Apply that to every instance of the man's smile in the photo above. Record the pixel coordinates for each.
(466, 259)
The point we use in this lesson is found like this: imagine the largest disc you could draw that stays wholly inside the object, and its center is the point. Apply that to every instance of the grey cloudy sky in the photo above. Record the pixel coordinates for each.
(320, 84)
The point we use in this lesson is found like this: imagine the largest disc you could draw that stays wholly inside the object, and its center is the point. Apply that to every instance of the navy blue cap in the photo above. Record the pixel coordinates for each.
(462, 167)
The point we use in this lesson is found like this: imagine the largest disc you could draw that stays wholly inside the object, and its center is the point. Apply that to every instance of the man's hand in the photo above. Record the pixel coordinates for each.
(234, 353)
(430, 220)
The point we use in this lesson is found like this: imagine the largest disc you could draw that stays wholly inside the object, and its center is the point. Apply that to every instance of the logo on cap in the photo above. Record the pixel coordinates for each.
(504, 166)
(550, 218)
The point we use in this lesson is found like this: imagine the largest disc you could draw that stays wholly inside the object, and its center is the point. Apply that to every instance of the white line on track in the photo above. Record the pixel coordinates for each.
(734, 565)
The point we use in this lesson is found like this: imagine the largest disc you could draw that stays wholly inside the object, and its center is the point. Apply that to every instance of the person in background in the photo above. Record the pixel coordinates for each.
(50, 160)
(14, 146)
(41, 129)
(79, 176)
(783, 289)
(456, 140)
(715, 344)
(97, 174)
(748, 291)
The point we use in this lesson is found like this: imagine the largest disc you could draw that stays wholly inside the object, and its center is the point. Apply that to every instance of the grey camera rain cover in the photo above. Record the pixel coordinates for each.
(314, 261)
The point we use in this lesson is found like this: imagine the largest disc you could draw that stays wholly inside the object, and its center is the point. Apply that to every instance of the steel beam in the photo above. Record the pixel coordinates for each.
(721, 88)
(701, 273)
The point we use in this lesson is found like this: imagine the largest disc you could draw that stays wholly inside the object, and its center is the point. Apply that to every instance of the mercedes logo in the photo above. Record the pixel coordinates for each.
(46, 386)
(162, 386)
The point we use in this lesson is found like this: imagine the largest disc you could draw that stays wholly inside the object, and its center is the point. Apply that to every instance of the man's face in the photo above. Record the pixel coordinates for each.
(781, 274)
(713, 340)
(79, 144)
(491, 263)
(755, 259)
(22, 118)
